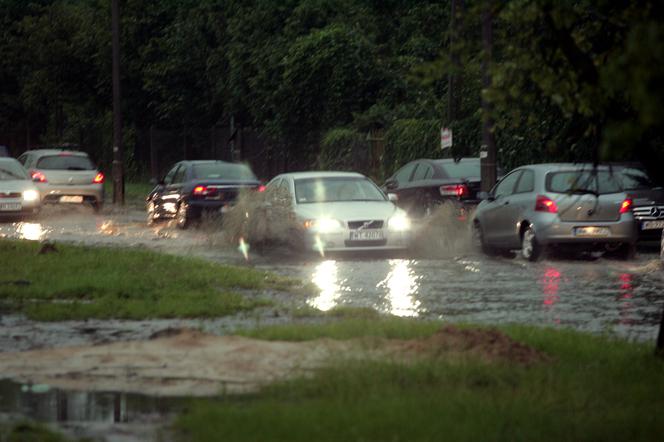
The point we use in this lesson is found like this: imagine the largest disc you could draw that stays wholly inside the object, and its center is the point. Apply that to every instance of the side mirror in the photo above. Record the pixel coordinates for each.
(392, 197)
(391, 184)
(485, 196)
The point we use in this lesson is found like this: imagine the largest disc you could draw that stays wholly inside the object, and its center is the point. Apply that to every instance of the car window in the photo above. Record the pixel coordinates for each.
(526, 182)
(334, 189)
(168, 179)
(635, 179)
(180, 174)
(462, 169)
(64, 162)
(12, 170)
(506, 186)
(22, 159)
(581, 181)
(404, 174)
(423, 172)
(224, 171)
(273, 185)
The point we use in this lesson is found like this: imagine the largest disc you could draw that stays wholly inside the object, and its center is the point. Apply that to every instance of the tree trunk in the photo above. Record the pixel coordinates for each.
(488, 149)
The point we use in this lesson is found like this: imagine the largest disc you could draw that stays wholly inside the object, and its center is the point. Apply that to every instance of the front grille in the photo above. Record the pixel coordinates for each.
(10, 194)
(646, 213)
(378, 243)
(368, 224)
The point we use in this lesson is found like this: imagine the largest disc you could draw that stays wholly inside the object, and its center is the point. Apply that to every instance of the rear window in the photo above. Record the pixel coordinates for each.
(223, 171)
(463, 169)
(65, 162)
(12, 170)
(635, 179)
(583, 181)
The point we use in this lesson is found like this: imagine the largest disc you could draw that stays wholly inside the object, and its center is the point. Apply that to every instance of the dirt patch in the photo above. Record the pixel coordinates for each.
(192, 363)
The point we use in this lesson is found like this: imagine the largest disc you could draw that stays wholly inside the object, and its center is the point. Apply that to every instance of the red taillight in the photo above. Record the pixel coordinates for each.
(626, 205)
(38, 176)
(545, 204)
(200, 190)
(454, 190)
(261, 188)
(204, 191)
(98, 179)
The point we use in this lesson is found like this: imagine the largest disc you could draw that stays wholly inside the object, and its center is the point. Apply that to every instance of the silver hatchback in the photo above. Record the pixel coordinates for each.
(65, 176)
(543, 206)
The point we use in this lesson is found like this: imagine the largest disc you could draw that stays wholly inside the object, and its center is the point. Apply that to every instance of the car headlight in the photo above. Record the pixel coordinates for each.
(323, 225)
(30, 195)
(399, 222)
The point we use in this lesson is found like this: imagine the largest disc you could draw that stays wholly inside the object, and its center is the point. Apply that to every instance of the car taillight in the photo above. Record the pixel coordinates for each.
(38, 176)
(260, 188)
(204, 191)
(98, 179)
(545, 204)
(626, 205)
(454, 190)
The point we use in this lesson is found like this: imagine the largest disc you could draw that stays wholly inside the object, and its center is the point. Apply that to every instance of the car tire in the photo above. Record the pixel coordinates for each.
(97, 206)
(531, 249)
(626, 251)
(183, 217)
(479, 243)
(151, 218)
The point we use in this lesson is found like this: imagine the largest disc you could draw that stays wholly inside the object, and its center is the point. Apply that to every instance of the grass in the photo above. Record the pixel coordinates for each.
(28, 432)
(594, 388)
(78, 282)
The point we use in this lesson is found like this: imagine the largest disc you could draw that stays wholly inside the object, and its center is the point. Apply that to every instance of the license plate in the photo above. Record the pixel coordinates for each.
(648, 225)
(592, 231)
(10, 206)
(366, 235)
(71, 199)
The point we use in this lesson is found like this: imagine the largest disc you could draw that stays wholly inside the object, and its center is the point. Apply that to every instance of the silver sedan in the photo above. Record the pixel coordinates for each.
(18, 194)
(343, 211)
(541, 206)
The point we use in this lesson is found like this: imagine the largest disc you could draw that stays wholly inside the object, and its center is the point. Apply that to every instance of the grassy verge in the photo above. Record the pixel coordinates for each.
(28, 432)
(82, 282)
(593, 389)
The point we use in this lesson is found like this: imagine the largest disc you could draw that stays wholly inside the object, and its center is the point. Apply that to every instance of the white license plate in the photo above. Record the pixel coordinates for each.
(592, 231)
(366, 235)
(648, 225)
(6, 207)
(71, 199)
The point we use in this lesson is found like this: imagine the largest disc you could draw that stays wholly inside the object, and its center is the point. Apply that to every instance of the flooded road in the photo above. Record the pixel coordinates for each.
(622, 298)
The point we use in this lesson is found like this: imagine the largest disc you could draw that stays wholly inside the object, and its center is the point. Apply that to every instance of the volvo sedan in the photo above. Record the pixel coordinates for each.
(343, 211)
(543, 206)
(18, 194)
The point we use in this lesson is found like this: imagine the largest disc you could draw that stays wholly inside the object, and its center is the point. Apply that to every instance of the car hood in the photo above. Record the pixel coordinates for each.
(16, 186)
(348, 210)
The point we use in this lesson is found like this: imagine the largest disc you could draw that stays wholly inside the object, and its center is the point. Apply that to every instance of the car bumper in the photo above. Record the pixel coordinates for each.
(623, 231)
(89, 193)
(341, 242)
(13, 207)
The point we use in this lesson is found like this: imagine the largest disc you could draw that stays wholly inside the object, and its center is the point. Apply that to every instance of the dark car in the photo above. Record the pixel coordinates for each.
(648, 207)
(421, 185)
(192, 187)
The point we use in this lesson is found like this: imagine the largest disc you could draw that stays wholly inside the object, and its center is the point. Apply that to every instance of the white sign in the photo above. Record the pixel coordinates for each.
(445, 137)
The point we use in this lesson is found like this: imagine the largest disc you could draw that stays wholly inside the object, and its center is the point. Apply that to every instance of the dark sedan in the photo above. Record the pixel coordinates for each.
(192, 187)
(421, 185)
(648, 199)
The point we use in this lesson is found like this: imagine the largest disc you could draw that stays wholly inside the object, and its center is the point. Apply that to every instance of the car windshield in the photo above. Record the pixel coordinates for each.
(65, 162)
(223, 171)
(583, 181)
(12, 170)
(634, 179)
(333, 189)
(462, 169)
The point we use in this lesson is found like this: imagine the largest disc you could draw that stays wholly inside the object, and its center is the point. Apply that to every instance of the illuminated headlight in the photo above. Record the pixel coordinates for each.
(323, 225)
(399, 223)
(30, 195)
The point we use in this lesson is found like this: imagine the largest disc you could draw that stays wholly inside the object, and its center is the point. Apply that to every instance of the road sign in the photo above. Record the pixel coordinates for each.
(445, 137)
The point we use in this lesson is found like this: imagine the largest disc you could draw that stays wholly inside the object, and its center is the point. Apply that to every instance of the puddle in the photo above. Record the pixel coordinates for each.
(95, 415)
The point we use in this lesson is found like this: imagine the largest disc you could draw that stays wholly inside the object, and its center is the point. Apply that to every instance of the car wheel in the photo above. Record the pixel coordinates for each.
(531, 249)
(479, 243)
(151, 218)
(182, 216)
(626, 251)
(97, 206)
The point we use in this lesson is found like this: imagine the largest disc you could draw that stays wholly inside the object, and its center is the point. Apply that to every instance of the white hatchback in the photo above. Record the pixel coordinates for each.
(343, 211)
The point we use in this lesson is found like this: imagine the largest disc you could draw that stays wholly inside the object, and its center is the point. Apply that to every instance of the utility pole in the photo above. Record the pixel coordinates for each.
(488, 149)
(453, 78)
(118, 172)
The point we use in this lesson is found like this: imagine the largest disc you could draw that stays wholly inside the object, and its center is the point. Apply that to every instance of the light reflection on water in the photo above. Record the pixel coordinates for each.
(401, 286)
(30, 231)
(325, 278)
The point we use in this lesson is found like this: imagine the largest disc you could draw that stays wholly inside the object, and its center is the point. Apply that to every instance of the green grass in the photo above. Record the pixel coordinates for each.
(84, 282)
(28, 432)
(593, 389)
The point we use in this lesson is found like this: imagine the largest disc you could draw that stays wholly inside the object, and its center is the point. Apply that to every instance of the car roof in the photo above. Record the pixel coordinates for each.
(57, 152)
(321, 174)
(567, 166)
(194, 162)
